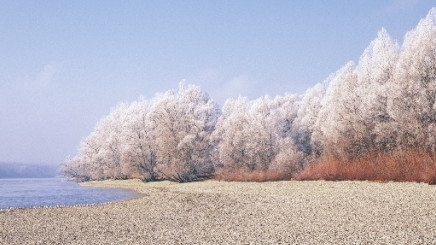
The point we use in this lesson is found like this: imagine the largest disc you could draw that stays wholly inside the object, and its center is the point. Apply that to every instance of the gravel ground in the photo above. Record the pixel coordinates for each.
(213, 212)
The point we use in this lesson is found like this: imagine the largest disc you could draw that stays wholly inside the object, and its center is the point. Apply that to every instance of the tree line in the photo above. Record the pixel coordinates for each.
(383, 104)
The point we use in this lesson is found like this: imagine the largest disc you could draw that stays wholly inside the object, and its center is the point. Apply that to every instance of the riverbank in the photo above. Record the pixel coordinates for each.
(232, 212)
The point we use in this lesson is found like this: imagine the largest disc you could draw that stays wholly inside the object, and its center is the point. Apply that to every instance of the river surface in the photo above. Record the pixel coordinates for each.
(51, 192)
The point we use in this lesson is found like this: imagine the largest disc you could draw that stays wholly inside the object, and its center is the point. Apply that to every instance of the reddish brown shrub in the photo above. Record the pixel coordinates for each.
(409, 166)
(244, 175)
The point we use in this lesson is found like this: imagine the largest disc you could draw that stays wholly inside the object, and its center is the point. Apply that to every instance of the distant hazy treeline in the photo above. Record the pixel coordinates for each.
(21, 170)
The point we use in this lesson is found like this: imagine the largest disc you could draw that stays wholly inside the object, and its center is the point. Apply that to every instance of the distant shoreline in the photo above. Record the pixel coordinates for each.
(28, 170)
(234, 212)
(31, 193)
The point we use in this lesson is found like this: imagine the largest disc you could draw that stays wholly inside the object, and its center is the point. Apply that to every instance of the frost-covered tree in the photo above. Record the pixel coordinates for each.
(414, 90)
(183, 121)
(85, 165)
(138, 136)
(339, 112)
(231, 136)
(166, 138)
(386, 102)
(110, 132)
(375, 75)
(305, 123)
(100, 153)
(353, 117)
(292, 145)
(257, 135)
(261, 138)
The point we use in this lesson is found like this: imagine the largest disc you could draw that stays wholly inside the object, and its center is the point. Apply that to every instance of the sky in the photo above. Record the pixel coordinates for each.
(64, 64)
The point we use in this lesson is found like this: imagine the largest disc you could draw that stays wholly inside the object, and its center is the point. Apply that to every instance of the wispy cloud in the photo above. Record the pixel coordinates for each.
(239, 85)
(222, 86)
(46, 74)
(31, 85)
(42, 79)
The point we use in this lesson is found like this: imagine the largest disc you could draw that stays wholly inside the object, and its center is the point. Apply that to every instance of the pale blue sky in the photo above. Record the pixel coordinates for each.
(64, 64)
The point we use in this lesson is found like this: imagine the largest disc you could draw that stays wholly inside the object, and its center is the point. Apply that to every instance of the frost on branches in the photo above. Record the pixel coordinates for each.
(165, 138)
(258, 135)
(183, 122)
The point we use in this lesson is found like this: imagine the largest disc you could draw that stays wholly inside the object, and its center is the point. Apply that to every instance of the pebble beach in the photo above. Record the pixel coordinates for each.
(213, 212)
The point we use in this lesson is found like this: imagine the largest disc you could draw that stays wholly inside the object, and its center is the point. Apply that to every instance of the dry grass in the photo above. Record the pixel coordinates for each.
(409, 166)
(243, 175)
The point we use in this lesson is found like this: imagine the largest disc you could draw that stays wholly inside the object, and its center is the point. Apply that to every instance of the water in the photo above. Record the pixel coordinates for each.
(50, 192)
